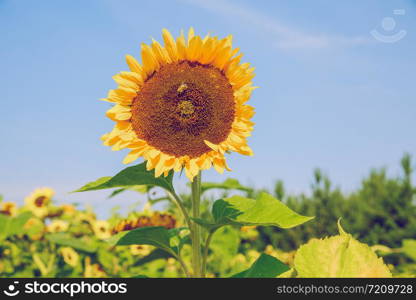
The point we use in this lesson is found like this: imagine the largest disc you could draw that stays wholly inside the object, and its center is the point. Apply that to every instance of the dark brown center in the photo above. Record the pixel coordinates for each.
(39, 202)
(181, 105)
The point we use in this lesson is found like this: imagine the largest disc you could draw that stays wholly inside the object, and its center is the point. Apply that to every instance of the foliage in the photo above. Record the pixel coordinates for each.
(381, 211)
(338, 256)
(265, 266)
(247, 232)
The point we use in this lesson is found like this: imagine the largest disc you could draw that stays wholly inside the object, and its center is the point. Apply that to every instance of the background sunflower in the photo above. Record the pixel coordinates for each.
(38, 201)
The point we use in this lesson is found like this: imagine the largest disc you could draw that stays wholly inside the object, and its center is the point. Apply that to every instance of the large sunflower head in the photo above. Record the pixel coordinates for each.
(39, 200)
(184, 106)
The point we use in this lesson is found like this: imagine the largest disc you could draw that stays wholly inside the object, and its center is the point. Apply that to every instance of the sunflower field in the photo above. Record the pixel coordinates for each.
(43, 239)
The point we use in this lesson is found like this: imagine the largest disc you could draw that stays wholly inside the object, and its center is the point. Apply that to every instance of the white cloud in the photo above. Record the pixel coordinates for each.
(285, 37)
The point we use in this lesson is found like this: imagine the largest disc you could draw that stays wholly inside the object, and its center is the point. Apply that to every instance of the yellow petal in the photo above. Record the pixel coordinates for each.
(132, 76)
(219, 165)
(151, 163)
(122, 95)
(119, 113)
(181, 46)
(211, 145)
(170, 45)
(170, 162)
(150, 63)
(123, 82)
(207, 51)
(133, 64)
(178, 165)
(194, 49)
(132, 156)
(191, 35)
(160, 53)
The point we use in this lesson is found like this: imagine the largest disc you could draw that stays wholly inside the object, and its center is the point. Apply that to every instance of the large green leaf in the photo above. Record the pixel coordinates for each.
(263, 211)
(106, 258)
(13, 225)
(409, 248)
(141, 189)
(265, 266)
(65, 239)
(94, 185)
(223, 248)
(16, 226)
(157, 236)
(338, 256)
(129, 177)
(155, 254)
(228, 184)
(225, 243)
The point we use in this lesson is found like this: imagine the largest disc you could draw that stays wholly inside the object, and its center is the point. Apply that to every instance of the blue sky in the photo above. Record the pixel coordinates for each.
(331, 95)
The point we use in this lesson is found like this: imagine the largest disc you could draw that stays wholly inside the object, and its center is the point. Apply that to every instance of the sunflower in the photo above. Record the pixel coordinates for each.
(184, 107)
(70, 256)
(8, 209)
(249, 232)
(156, 219)
(34, 228)
(141, 250)
(285, 257)
(57, 226)
(93, 270)
(101, 229)
(85, 217)
(68, 209)
(38, 201)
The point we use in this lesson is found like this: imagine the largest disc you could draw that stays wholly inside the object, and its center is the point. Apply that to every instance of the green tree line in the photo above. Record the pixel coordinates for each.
(381, 211)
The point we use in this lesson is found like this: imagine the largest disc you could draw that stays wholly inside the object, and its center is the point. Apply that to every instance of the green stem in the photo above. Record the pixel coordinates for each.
(205, 256)
(176, 199)
(39, 263)
(196, 234)
(183, 265)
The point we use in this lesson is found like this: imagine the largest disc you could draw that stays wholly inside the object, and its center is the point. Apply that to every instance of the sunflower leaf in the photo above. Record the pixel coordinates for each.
(210, 226)
(338, 256)
(12, 225)
(155, 254)
(65, 239)
(129, 177)
(141, 189)
(228, 184)
(265, 266)
(409, 248)
(17, 223)
(157, 236)
(263, 211)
